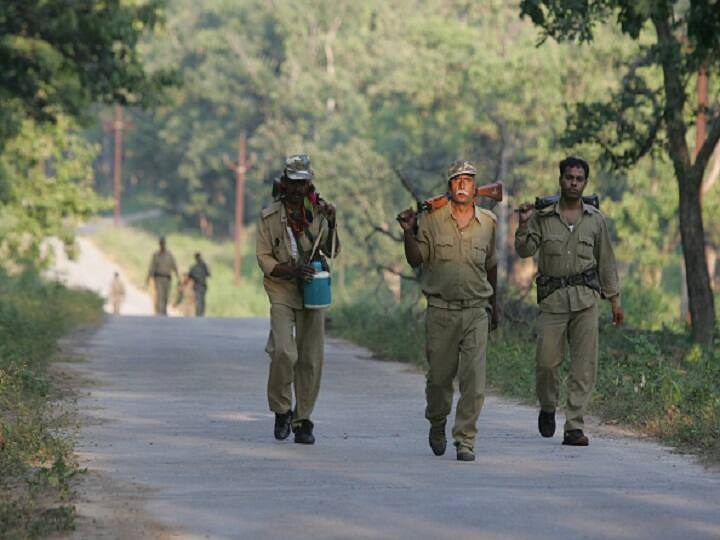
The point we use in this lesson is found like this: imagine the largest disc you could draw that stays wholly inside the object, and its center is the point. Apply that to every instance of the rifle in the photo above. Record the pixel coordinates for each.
(492, 191)
(549, 200)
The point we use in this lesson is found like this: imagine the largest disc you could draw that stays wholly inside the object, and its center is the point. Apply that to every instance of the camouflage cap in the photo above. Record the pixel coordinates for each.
(297, 167)
(461, 166)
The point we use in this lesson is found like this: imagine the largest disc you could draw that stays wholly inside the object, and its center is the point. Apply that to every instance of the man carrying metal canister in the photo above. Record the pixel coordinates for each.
(294, 231)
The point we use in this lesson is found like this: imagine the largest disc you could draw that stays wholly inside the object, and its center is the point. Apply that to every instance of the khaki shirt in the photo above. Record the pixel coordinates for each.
(455, 262)
(162, 263)
(564, 252)
(275, 246)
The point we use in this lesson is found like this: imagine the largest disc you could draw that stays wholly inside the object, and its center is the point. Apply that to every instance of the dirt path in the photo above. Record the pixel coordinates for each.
(94, 270)
(176, 424)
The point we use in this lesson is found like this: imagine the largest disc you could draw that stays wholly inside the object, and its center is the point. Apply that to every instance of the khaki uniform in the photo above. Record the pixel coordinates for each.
(162, 266)
(570, 313)
(117, 294)
(296, 358)
(453, 276)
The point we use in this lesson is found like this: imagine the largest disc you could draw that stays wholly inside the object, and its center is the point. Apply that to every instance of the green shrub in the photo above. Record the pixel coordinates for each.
(36, 463)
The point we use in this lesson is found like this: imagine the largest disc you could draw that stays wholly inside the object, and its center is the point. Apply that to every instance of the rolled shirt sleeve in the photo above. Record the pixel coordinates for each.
(424, 241)
(264, 249)
(607, 268)
(528, 238)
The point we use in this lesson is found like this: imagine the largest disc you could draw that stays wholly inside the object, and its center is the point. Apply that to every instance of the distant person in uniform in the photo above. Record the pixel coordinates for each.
(186, 296)
(117, 293)
(288, 231)
(576, 267)
(454, 249)
(162, 266)
(199, 273)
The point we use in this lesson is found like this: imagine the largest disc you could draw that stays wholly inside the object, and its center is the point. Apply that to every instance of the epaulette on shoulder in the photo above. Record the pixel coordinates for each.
(547, 211)
(592, 210)
(488, 213)
(274, 207)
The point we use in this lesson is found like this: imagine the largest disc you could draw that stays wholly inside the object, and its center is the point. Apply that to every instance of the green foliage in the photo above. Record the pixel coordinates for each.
(61, 57)
(47, 176)
(132, 247)
(392, 332)
(36, 462)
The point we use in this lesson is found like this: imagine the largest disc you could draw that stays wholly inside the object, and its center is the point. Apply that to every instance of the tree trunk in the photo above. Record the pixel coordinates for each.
(700, 295)
(689, 177)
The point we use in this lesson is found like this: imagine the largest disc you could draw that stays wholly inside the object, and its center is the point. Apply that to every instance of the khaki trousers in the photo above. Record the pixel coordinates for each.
(162, 291)
(580, 330)
(456, 345)
(295, 359)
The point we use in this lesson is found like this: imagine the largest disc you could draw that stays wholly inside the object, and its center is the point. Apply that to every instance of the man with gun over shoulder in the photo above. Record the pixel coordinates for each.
(576, 267)
(454, 248)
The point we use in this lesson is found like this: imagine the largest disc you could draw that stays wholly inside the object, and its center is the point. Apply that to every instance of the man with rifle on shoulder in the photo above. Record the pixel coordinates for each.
(576, 268)
(454, 248)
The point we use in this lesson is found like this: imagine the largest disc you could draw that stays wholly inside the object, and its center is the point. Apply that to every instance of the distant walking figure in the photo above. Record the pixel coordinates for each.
(162, 265)
(199, 273)
(186, 296)
(117, 293)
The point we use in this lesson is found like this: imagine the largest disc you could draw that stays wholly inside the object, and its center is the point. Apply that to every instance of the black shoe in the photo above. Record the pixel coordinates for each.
(575, 437)
(437, 439)
(465, 454)
(304, 432)
(282, 425)
(546, 423)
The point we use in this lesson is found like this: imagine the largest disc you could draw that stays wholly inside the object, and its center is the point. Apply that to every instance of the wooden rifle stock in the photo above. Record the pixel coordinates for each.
(492, 191)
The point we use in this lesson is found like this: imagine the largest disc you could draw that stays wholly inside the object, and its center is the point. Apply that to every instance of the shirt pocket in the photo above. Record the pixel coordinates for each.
(444, 247)
(585, 246)
(478, 253)
(552, 245)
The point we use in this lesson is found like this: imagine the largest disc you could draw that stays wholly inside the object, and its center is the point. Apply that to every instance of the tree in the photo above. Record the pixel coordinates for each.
(644, 116)
(60, 57)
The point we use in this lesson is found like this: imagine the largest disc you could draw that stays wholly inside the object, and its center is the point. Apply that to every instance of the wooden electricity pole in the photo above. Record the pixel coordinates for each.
(118, 126)
(241, 166)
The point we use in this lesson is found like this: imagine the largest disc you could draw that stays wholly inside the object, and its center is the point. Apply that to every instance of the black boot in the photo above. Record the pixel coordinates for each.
(437, 439)
(546, 423)
(282, 425)
(304, 432)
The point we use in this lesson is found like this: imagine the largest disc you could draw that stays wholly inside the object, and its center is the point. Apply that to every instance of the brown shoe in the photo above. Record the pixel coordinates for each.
(575, 437)
(465, 454)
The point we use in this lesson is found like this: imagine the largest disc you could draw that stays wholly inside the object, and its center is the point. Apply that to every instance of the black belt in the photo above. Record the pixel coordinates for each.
(547, 285)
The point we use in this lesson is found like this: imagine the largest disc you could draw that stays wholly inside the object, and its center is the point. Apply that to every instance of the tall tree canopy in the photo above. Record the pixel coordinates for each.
(58, 59)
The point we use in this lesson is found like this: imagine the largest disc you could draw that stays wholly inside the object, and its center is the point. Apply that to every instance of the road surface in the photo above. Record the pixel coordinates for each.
(178, 441)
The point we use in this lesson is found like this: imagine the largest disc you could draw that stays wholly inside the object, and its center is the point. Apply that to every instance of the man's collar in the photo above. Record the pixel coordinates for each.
(449, 214)
(585, 208)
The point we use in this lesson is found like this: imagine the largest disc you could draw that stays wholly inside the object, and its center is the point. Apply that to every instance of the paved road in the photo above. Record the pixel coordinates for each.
(177, 415)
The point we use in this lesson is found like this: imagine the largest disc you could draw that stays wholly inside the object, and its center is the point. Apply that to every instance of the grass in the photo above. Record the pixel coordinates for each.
(36, 459)
(653, 381)
(132, 247)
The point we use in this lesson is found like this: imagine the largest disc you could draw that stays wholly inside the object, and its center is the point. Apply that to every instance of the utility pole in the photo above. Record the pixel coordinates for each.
(118, 126)
(241, 166)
